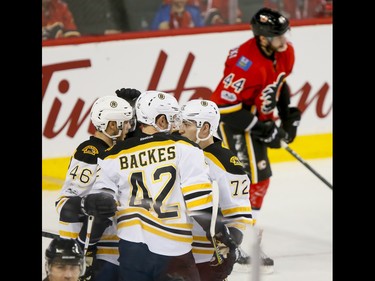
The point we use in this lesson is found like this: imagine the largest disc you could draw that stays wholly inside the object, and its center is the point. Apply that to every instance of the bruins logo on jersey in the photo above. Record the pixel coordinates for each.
(90, 149)
(235, 161)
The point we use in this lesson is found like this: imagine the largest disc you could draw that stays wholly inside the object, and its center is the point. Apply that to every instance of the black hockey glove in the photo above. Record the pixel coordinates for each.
(269, 133)
(270, 94)
(72, 211)
(128, 94)
(291, 123)
(223, 235)
(263, 129)
(99, 205)
(225, 268)
(277, 137)
(98, 227)
(227, 252)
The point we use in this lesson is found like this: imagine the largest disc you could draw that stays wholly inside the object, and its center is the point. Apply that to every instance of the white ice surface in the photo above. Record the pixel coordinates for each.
(296, 217)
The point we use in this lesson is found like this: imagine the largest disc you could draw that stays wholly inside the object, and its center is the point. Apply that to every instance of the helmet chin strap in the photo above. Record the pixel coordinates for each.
(114, 137)
(198, 140)
(167, 130)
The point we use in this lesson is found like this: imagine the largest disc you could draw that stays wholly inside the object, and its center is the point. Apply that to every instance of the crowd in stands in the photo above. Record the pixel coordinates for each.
(72, 18)
(301, 9)
(57, 20)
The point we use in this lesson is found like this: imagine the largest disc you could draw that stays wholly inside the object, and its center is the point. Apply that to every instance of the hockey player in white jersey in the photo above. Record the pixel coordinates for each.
(200, 120)
(113, 118)
(160, 182)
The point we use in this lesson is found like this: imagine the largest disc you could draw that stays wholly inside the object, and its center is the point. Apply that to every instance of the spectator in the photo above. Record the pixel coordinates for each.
(140, 14)
(64, 260)
(278, 5)
(218, 12)
(177, 14)
(98, 17)
(301, 9)
(324, 8)
(57, 20)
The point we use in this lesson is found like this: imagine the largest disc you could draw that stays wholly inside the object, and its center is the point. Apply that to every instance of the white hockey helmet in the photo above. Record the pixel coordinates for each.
(110, 108)
(151, 104)
(202, 111)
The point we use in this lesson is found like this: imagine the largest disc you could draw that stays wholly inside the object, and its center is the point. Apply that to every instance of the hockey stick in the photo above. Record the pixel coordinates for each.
(88, 233)
(88, 260)
(49, 234)
(299, 158)
(215, 208)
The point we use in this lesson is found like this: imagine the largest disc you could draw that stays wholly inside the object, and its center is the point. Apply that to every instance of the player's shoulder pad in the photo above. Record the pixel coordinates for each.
(119, 146)
(89, 150)
(224, 158)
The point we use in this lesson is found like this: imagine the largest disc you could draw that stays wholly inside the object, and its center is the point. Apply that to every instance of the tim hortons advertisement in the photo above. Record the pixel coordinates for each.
(188, 66)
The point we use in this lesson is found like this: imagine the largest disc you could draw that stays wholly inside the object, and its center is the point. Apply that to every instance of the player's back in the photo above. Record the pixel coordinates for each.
(233, 184)
(158, 180)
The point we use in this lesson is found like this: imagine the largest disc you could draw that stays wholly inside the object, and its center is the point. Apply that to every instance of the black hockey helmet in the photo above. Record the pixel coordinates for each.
(269, 23)
(66, 251)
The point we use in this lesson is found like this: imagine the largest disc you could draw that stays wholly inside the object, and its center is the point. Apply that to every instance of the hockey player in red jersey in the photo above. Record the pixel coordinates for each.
(252, 95)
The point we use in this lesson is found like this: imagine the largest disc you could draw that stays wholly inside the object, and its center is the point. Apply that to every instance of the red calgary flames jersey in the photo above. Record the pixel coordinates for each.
(247, 72)
(58, 12)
